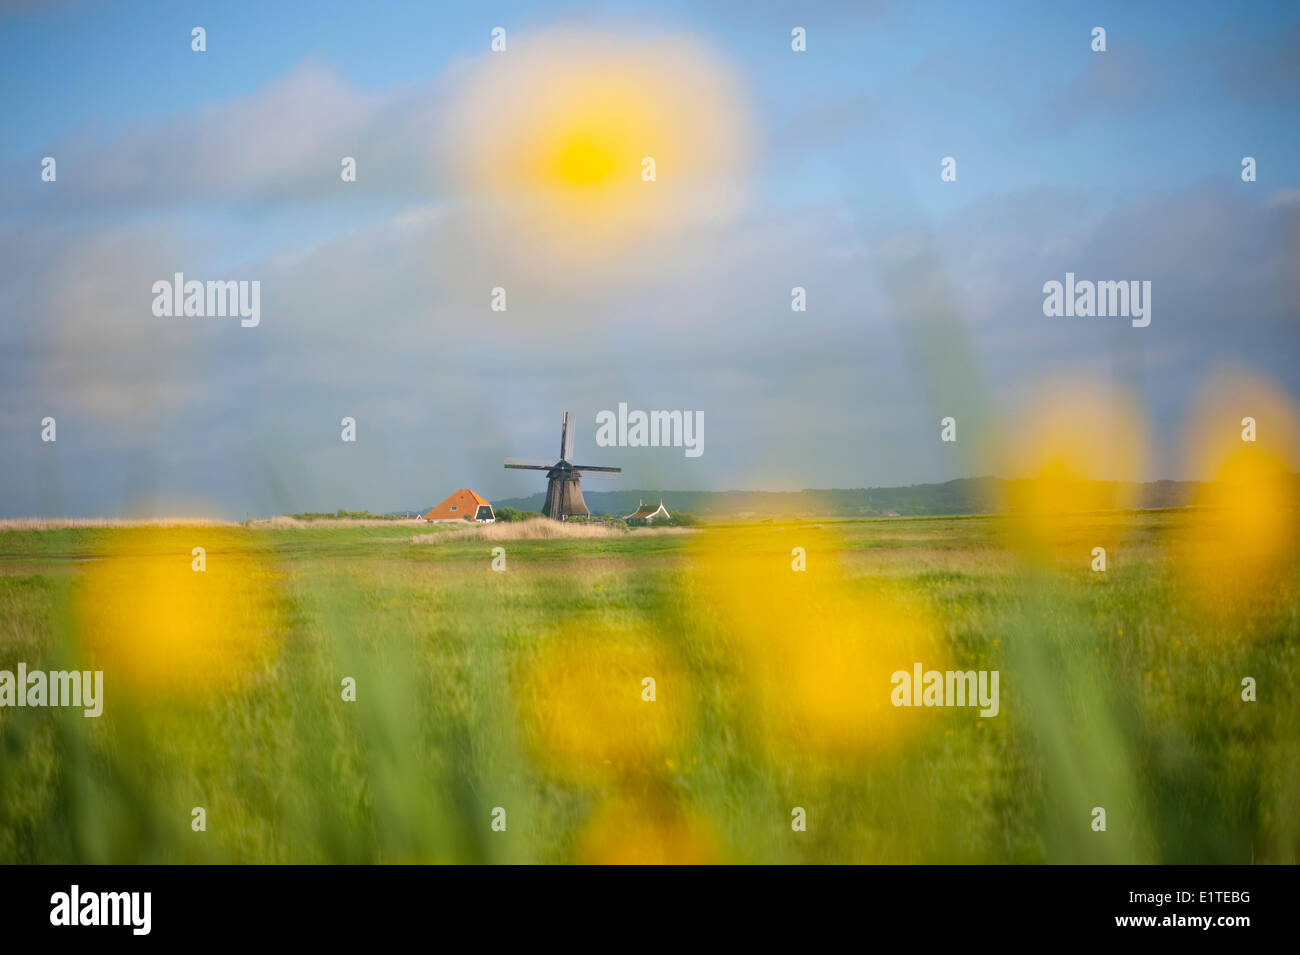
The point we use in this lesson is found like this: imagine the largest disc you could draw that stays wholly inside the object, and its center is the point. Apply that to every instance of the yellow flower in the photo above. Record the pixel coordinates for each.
(646, 831)
(585, 702)
(551, 142)
(1074, 454)
(815, 651)
(158, 626)
(1244, 529)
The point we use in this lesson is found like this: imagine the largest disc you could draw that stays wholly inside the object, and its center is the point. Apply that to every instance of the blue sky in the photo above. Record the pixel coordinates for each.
(1121, 162)
(102, 66)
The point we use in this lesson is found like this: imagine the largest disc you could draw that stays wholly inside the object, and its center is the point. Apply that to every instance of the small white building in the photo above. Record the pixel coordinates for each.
(649, 515)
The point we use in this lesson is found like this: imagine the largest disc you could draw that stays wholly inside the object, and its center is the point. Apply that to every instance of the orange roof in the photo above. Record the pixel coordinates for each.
(459, 504)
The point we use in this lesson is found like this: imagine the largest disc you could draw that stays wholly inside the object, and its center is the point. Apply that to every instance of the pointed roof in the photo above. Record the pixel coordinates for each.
(459, 504)
(643, 511)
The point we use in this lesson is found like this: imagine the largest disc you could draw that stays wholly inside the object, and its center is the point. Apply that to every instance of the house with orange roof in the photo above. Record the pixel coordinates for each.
(462, 505)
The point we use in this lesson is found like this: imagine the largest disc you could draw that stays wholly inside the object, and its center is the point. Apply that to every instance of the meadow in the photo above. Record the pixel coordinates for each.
(504, 715)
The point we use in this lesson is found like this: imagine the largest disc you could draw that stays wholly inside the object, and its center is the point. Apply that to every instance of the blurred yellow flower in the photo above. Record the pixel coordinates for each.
(598, 701)
(646, 831)
(553, 139)
(158, 626)
(1244, 529)
(1075, 452)
(816, 650)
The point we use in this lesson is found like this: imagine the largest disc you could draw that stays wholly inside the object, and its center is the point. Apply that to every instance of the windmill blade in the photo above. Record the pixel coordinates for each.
(524, 464)
(609, 474)
(592, 467)
(566, 440)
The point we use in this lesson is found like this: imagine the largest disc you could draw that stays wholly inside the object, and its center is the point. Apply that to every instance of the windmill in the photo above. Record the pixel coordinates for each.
(563, 479)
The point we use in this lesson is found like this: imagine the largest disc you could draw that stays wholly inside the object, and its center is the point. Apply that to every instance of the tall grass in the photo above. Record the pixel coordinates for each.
(539, 529)
(65, 523)
(521, 690)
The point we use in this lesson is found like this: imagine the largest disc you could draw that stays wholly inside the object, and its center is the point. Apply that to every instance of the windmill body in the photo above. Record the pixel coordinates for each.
(564, 479)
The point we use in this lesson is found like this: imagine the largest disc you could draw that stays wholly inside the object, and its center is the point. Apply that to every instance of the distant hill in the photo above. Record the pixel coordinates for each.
(962, 496)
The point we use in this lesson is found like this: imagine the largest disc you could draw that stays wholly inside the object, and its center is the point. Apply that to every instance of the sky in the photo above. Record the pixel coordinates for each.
(818, 168)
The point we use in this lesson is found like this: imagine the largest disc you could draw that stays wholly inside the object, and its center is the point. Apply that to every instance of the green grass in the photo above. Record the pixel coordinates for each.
(1115, 692)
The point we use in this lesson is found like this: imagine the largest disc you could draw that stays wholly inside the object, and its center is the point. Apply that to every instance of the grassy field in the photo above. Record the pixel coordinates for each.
(518, 696)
